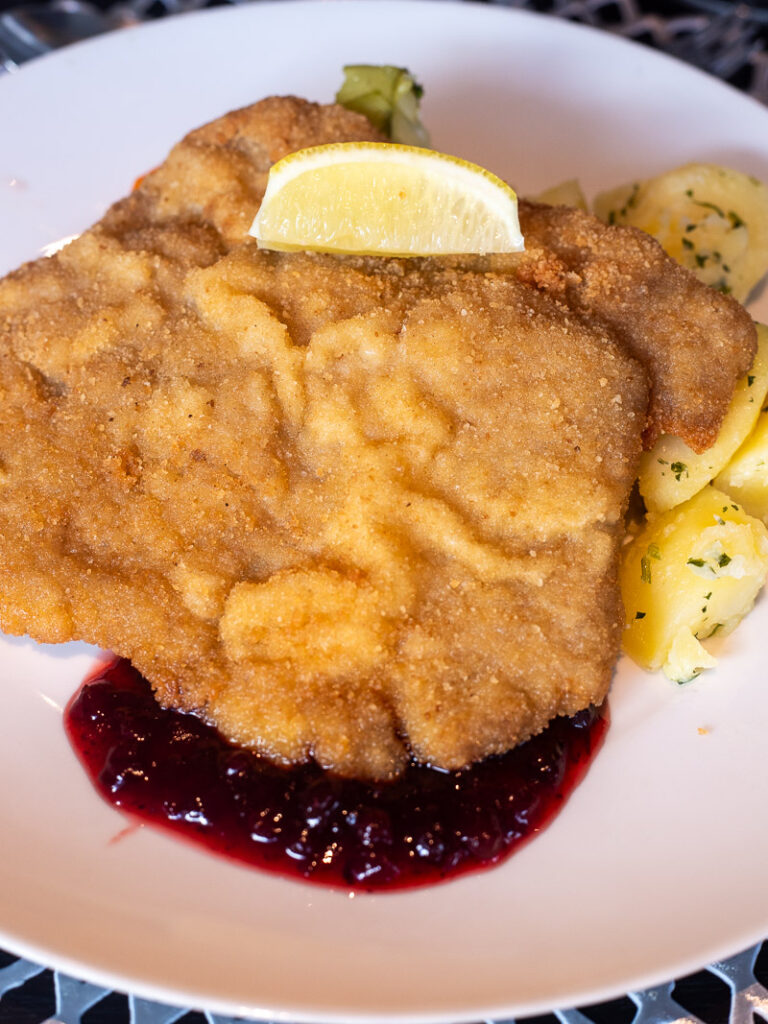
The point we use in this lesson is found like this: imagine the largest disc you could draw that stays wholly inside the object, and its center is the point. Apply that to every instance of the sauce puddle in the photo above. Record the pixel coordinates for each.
(170, 769)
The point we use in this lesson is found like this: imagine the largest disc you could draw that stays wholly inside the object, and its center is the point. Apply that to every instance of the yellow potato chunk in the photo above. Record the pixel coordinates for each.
(745, 478)
(712, 219)
(671, 472)
(690, 573)
(567, 193)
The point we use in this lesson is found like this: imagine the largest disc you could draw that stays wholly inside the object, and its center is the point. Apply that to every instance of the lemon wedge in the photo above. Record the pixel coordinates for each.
(385, 199)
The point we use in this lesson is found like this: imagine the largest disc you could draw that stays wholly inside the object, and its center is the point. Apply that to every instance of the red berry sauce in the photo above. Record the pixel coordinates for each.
(170, 769)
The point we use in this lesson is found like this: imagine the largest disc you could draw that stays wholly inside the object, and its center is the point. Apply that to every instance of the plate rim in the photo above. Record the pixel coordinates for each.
(157, 992)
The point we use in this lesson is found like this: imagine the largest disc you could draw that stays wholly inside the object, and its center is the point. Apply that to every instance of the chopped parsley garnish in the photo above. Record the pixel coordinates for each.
(645, 562)
(698, 562)
(735, 219)
(709, 206)
(645, 569)
(631, 202)
(723, 560)
(639, 615)
(679, 468)
(750, 380)
(687, 243)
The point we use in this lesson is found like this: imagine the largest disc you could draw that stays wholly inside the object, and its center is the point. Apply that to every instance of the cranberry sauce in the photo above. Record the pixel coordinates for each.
(171, 769)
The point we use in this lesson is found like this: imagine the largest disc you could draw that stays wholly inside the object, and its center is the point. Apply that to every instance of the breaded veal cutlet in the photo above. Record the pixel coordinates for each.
(355, 509)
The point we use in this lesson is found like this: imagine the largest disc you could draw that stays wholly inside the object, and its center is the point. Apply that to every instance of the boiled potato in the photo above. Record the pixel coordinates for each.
(745, 478)
(690, 573)
(711, 219)
(567, 193)
(671, 473)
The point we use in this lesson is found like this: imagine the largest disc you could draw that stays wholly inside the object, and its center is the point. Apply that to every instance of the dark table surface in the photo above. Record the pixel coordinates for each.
(31, 994)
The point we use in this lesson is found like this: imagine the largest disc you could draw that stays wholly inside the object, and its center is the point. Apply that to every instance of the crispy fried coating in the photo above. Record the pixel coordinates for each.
(353, 509)
(694, 341)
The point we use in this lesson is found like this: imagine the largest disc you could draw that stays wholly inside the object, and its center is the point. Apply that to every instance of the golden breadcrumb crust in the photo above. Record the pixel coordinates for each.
(353, 509)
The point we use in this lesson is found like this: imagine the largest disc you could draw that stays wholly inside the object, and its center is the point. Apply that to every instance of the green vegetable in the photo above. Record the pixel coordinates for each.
(389, 97)
(645, 569)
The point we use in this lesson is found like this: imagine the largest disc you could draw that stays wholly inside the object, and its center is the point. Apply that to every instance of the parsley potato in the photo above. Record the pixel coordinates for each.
(745, 477)
(692, 572)
(712, 219)
(671, 472)
(567, 193)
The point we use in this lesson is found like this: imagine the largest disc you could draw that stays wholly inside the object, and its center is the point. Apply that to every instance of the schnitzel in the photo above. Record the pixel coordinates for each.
(345, 508)
(692, 344)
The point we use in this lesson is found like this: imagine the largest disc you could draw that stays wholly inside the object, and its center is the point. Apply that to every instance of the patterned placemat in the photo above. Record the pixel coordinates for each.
(732, 990)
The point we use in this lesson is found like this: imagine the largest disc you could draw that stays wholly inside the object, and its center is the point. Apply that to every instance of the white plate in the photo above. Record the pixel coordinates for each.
(657, 865)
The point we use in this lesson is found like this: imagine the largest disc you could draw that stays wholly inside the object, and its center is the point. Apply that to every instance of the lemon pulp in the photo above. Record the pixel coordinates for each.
(385, 199)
